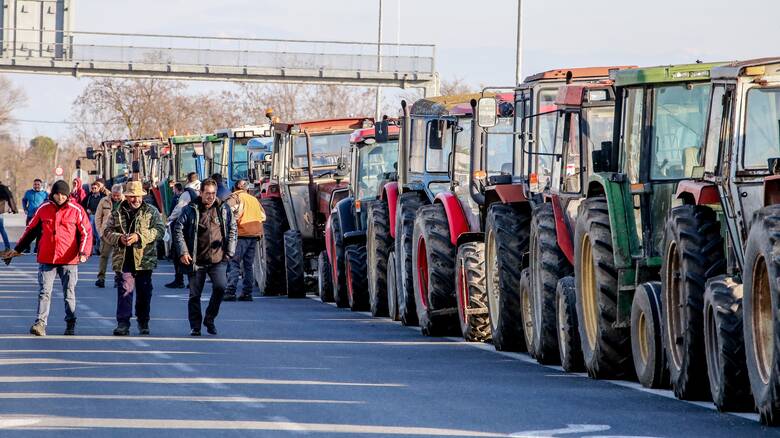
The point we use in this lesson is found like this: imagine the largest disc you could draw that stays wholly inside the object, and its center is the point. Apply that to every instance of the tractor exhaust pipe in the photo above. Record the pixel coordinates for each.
(403, 149)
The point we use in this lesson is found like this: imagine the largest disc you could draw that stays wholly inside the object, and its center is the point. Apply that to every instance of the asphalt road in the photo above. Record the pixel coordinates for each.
(282, 367)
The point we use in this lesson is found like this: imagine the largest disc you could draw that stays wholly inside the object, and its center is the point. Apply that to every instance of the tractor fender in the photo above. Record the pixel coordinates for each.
(697, 192)
(470, 237)
(344, 209)
(510, 193)
(455, 218)
(390, 195)
(329, 250)
(621, 215)
(772, 190)
(562, 230)
(270, 190)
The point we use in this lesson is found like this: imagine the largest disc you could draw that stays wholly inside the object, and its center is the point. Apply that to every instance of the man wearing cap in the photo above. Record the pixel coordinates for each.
(65, 241)
(133, 229)
(249, 215)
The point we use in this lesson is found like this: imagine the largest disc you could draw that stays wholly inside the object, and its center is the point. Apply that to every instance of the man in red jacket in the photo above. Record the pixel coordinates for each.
(65, 241)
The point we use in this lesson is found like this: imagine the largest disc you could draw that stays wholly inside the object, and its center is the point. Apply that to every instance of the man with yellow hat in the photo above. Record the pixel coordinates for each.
(133, 229)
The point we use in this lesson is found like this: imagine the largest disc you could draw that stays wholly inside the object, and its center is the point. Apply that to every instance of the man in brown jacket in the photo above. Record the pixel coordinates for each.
(103, 212)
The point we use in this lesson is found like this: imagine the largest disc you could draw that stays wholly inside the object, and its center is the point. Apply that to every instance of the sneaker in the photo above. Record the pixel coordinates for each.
(245, 297)
(122, 330)
(195, 332)
(38, 329)
(210, 327)
(175, 284)
(143, 328)
(229, 297)
(70, 330)
(100, 283)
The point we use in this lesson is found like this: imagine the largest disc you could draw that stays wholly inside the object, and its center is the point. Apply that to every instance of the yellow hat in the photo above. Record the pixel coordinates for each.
(134, 188)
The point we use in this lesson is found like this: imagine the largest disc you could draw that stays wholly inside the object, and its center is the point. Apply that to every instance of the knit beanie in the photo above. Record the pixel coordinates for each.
(60, 187)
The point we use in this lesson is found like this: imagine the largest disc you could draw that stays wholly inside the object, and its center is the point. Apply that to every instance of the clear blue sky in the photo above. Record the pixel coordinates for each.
(475, 39)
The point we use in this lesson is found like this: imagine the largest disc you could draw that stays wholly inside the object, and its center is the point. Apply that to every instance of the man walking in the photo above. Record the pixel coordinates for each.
(133, 230)
(66, 241)
(7, 205)
(187, 195)
(90, 204)
(32, 200)
(107, 205)
(249, 217)
(205, 238)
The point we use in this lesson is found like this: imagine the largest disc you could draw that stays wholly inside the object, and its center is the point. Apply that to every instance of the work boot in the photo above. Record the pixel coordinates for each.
(101, 283)
(122, 329)
(195, 332)
(143, 328)
(175, 284)
(38, 329)
(245, 297)
(229, 296)
(70, 329)
(210, 327)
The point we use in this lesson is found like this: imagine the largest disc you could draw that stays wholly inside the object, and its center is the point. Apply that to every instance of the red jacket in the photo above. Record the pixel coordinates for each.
(64, 230)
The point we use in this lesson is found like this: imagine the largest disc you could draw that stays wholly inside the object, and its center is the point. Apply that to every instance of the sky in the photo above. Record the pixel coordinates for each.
(475, 40)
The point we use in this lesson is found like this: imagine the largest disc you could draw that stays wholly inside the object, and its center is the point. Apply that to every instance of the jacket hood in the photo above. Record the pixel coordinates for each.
(195, 185)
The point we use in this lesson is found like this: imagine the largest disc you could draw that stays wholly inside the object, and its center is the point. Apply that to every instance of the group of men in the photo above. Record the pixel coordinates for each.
(207, 233)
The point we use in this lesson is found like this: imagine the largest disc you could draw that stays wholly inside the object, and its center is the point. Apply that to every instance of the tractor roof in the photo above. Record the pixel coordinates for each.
(575, 95)
(246, 131)
(453, 105)
(665, 73)
(194, 138)
(580, 73)
(142, 142)
(360, 135)
(750, 67)
(323, 126)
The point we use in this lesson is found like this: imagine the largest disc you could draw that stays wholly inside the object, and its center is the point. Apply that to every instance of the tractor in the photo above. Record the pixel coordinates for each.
(373, 165)
(719, 263)
(660, 121)
(309, 174)
(232, 156)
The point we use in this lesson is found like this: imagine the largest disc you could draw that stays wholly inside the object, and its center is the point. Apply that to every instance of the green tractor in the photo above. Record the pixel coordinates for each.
(733, 201)
(660, 122)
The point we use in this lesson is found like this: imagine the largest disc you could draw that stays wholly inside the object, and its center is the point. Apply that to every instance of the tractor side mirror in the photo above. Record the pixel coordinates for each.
(486, 112)
(136, 166)
(601, 157)
(774, 165)
(381, 131)
(154, 152)
(208, 150)
(90, 153)
(120, 156)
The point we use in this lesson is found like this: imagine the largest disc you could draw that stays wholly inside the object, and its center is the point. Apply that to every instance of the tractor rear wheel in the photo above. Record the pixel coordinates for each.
(569, 343)
(606, 349)
(506, 239)
(392, 290)
(357, 289)
(408, 203)
(761, 321)
(339, 278)
(724, 345)
(293, 264)
(258, 267)
(378, 245)
(273, 241)
(470, 292)
(646, 345)
(526, 309)
(324, 278)
(548, 264)
(433, 259)
(693, 252)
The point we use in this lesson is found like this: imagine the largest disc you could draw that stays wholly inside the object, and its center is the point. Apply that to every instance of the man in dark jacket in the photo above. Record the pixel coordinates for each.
(133, 230)
(90, 203)
(65, 241)
(7, 205)
(205, 236)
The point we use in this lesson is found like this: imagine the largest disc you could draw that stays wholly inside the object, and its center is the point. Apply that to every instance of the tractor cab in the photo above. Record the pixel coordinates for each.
(194, 153)
(119, 161)
(233, 158)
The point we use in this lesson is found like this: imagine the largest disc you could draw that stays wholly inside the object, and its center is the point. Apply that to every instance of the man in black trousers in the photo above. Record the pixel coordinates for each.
(205, 237)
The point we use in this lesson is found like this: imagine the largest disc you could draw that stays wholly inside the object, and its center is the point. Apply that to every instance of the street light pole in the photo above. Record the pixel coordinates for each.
(519, 54)
(377, 114)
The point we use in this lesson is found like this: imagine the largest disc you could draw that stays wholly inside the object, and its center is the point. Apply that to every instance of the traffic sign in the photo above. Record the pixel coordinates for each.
(58, 171)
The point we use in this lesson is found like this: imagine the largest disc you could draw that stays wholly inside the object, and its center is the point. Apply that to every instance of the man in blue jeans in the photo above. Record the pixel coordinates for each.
(205, 236)
(34, 198)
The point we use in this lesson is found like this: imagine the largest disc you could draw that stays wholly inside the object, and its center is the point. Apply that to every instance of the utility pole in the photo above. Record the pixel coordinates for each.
(519, 54)
(377, 114)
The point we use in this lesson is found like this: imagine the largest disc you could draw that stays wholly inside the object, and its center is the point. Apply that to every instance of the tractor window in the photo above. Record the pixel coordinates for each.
(632, 133)
(762, 127)
(545, 136)
(679, 120)
(417, 147)
(462, 151)
(439, 145)
(186, 161)
(326, 149)
(239, 161)
(572, 165)
(374, 161)
(714, 129)
(499, 148)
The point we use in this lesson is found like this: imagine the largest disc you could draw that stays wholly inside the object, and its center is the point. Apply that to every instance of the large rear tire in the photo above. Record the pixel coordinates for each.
(293, 264)
(606, 349)
(569, 343)
(470, 292)
(273, 240)
(339, 278)
(761, 322)
(693, 252)
(646, 346)
(506, 239)
(724, 345)
(357, 289)
(548, 264)
(408, 203)
(378, 245)
(392, 290)
(526, 309)
(258, 267)
(324, 278)
(433, 276)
